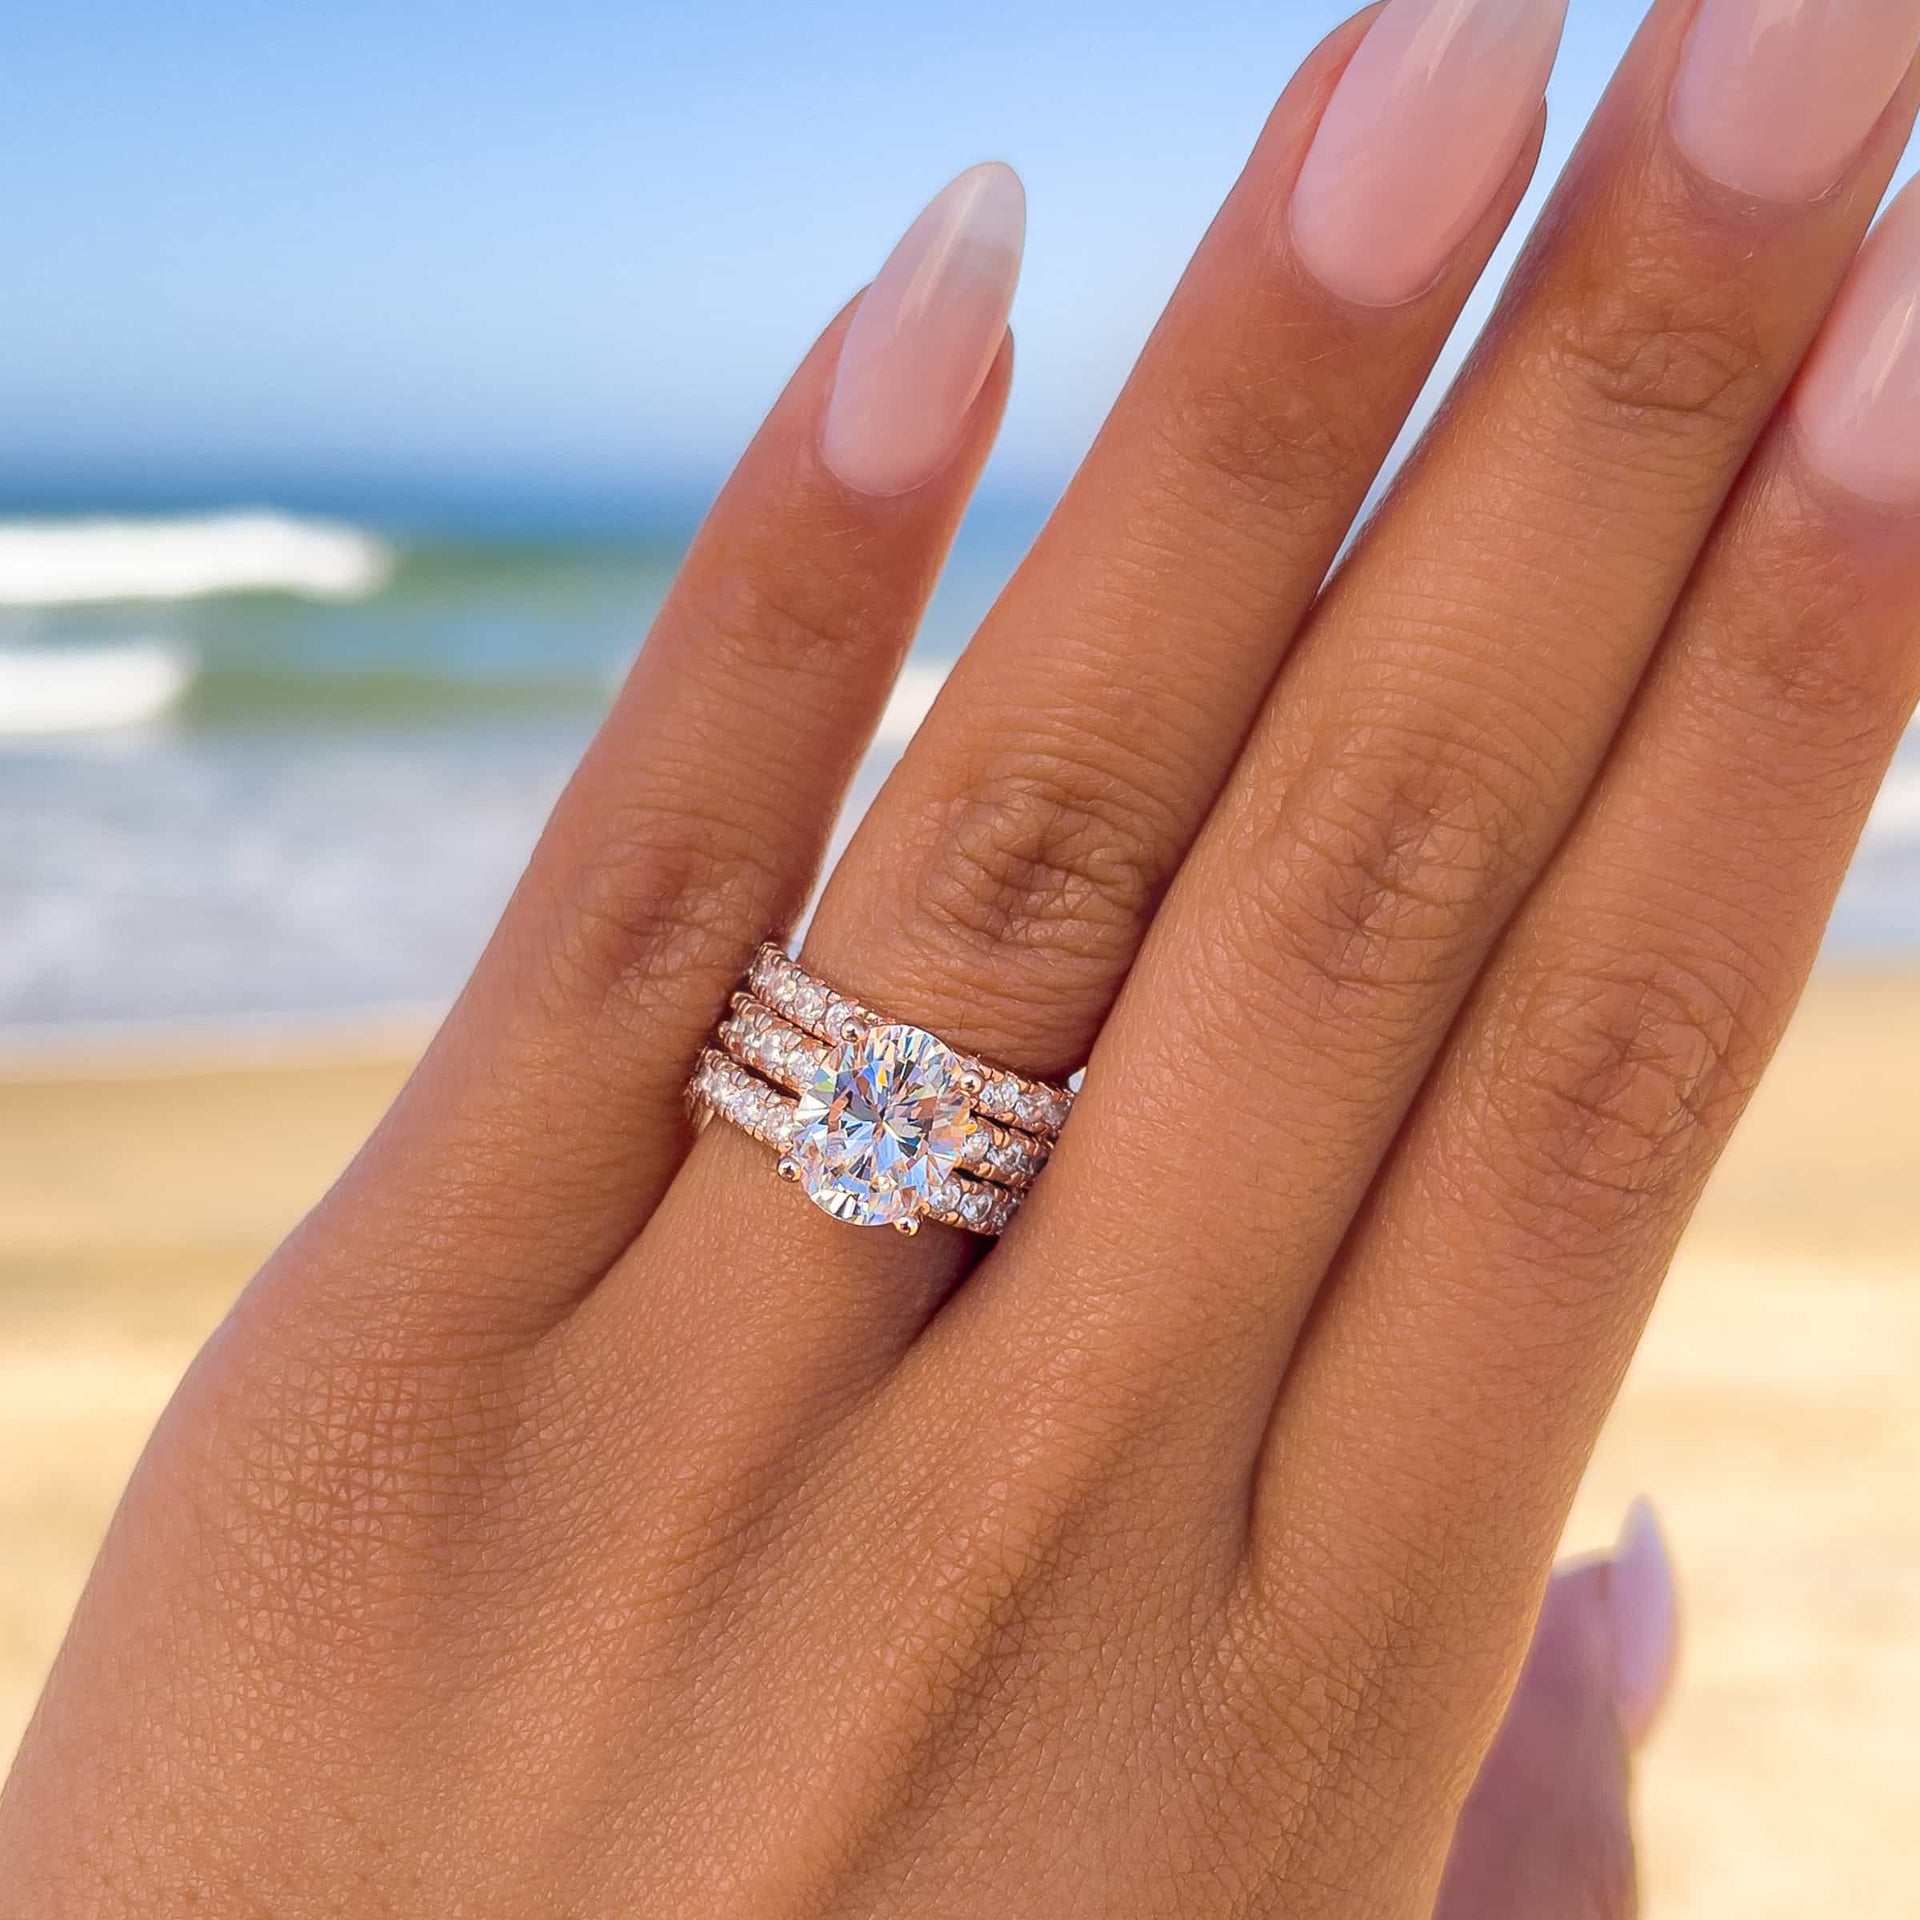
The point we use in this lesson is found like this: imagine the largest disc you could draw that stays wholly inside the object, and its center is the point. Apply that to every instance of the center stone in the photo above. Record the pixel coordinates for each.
(882, 1123)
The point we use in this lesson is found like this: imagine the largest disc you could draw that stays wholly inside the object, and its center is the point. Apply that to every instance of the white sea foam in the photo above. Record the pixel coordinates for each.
(90, 689)
(47, 563)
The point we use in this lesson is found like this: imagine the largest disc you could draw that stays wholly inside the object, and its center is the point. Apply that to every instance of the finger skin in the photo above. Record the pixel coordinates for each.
(1424, 752)
(1546, 1833)
(1492, 1294)
(999, 886)
(549, 1114)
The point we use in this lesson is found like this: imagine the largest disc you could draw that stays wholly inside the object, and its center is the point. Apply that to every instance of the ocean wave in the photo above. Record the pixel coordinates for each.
(51, 563)
(45, 690)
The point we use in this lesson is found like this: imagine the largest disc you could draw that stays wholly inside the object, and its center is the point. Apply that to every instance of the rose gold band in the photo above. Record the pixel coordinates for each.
(781, 984)
(757, 1037)
(879, 1122)
(723, 1087)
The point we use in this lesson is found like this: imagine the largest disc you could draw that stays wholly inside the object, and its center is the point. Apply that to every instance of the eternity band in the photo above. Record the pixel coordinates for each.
(880, 1123)
(782, 984)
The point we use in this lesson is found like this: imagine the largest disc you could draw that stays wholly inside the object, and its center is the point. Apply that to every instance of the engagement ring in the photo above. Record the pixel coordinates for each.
(880, 1123)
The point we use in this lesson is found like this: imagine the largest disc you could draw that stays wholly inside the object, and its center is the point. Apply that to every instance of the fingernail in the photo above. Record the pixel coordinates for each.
(1424, 126)
(1857, 406)
(1775, 98)
(1643, 1618)
(924, 338)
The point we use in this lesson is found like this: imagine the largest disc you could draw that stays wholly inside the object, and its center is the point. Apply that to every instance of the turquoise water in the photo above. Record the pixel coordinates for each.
(327, 818)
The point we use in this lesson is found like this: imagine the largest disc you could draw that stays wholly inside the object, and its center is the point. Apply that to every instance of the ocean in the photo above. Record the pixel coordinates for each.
(259, 769)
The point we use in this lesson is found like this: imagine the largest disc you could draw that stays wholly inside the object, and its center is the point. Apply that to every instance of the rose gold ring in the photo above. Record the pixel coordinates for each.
(880, 1123)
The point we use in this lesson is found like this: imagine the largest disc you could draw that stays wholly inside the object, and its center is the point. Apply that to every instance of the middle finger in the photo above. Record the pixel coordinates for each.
(1436, 730)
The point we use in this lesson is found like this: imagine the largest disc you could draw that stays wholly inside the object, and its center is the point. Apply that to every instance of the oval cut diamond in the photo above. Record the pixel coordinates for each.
(882, 1123)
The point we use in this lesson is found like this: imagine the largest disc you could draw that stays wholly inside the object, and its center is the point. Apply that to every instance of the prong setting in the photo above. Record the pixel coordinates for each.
(780, 985)
(877, 1121)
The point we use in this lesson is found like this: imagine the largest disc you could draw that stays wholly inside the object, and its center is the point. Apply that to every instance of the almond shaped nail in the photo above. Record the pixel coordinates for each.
(1857, 407)
(925, 336)
(1643, 1618)
(1776, 98)
(1423, 128)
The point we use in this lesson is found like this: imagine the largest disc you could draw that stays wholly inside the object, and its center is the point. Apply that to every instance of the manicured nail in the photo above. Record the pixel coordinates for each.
(1423, 127)
(1643, 1618)
(1776, 97)
(923, 340)
(1857, 406)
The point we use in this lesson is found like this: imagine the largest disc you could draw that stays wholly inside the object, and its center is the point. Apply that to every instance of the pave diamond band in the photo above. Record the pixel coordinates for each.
(788, 989)
(758, 1038)
(880, 1123)
(725, 1088)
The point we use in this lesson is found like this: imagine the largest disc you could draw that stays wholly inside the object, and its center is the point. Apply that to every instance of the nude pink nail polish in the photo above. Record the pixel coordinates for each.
(1857, 407)
(1423, 127)
(1643, 1619)
(924, 338)
(1776, 97)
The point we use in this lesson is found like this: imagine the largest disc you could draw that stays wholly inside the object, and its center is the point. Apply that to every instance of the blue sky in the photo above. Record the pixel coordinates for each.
(579, 241)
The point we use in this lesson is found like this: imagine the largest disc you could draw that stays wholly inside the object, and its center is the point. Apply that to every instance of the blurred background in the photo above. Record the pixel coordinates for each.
(363, 371)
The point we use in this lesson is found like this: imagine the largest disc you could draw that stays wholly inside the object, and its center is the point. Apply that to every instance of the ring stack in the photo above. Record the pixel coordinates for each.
(879, 1123)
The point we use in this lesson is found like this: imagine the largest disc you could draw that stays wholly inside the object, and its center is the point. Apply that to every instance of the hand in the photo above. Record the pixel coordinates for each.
(570, 1521)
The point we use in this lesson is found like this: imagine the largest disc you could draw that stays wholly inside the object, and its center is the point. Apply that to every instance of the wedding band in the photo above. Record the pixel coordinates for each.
(878, 1122)
(782, 984)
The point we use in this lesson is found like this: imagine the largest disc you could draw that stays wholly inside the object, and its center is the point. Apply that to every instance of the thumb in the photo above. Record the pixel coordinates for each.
(1546, 1832)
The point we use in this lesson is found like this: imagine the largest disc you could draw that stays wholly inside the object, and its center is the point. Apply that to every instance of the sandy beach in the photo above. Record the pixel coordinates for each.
(1773, 1411)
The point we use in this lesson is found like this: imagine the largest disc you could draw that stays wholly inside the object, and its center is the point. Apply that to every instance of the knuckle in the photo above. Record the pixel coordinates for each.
(1052, 857)
(663, 903)
(1690, 355)
(1260, 439)
(808, 617)
(1797, 645)
(1366, 879)
(1611, 1074)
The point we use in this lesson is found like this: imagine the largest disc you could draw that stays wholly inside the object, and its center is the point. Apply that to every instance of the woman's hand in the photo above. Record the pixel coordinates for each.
(570, 1521)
